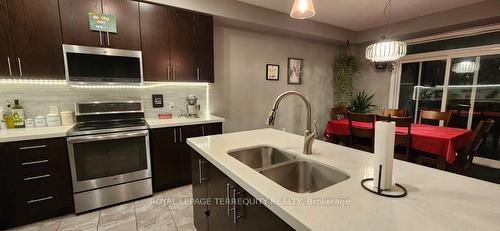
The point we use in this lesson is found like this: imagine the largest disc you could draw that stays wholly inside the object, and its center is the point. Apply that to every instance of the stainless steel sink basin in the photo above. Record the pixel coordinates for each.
(262, 156)
(304, 176)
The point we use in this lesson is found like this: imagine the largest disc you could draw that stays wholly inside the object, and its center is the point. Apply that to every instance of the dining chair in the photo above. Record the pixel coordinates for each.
(362, 138)
(435, 115)
(402, 139)
(394, 112)
(336, 111)
(465, 157)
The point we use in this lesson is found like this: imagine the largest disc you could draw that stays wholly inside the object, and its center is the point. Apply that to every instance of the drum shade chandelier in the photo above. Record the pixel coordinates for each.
(386, 50)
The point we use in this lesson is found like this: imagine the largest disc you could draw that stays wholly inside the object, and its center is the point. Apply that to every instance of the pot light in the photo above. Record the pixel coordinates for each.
(302, 9)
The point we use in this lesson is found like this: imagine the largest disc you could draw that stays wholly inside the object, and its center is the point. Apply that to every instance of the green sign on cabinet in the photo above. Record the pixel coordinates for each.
(102, 22)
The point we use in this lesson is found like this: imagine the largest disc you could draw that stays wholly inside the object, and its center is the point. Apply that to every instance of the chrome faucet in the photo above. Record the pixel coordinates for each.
(310, 132)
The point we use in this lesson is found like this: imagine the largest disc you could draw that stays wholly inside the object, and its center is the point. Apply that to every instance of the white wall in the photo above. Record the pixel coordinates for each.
(244, 97)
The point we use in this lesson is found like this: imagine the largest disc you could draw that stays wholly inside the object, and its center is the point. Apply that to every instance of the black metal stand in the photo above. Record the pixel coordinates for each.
(380, 191)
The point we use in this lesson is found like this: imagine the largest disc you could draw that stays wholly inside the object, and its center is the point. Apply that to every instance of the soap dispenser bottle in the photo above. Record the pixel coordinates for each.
(9, 120)
(18, 114)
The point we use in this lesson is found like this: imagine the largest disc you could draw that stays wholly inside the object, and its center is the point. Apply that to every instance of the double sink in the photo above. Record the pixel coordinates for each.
(293, 173)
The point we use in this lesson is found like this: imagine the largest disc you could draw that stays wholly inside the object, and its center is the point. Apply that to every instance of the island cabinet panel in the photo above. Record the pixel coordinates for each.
(226, 210)
(36, 40)
(76, 30)
(38, 178)
(6, 55)
(199, 176)
(155, 40)
(171, 155)
(204, 47)
(3, 193)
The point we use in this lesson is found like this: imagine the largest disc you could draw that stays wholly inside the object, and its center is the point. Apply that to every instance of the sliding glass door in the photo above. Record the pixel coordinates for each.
(466, 85)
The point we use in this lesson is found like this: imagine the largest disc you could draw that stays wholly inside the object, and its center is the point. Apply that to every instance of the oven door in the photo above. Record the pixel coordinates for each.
(102, 160)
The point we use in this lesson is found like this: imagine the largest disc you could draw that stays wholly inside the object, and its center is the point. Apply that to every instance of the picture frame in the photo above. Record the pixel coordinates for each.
(295, 71)
(272, 72)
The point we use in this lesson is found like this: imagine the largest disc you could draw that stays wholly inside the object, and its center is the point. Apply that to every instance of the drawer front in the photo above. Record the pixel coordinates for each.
(36, 150)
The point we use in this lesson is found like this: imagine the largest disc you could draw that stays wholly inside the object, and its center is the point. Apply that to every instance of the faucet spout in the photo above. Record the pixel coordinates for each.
(310, 132)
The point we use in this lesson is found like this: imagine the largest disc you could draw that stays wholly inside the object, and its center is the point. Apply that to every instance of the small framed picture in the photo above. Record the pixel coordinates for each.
(295, 70)
(272, 72)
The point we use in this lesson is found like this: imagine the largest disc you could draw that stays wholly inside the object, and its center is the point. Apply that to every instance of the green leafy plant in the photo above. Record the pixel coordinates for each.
(345, 67)
(362, 102)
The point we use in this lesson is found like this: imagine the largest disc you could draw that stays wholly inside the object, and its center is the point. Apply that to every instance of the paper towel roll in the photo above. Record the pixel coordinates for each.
(384, 153)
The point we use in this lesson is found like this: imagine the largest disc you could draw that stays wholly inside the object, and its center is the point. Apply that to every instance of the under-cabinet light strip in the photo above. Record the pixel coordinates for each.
(63, 82)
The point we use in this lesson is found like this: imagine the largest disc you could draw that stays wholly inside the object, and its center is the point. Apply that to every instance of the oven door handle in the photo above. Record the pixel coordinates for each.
(114, 136)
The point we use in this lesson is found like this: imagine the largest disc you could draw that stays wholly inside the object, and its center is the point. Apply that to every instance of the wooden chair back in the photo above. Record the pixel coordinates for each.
(435, 115)
(395, 112)
(362, 138)
(401, 139)
(466, 156)
(336, 111)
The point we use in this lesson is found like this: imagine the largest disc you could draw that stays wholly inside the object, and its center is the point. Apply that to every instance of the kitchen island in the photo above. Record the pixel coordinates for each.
(437, 200)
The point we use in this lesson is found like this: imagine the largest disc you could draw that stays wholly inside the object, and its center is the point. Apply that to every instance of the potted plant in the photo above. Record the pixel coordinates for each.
(362, 103)
(345, 67)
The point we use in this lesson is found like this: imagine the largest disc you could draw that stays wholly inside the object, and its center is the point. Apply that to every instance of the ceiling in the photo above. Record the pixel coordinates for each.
(360, 15)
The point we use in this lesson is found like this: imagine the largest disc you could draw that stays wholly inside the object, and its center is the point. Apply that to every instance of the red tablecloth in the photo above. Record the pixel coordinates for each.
(443, 141)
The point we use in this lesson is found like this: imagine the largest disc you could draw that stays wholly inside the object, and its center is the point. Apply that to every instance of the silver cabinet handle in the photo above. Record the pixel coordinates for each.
(173, 72)
(33, 147)
(34, 162)
(20, 66)
(200, 168)
(10, 68)
(228, 196)
(198, 73)
(168, 72)
(107, 37)
(36, 177)
(203, 130)
(100, 37)
(175, 135)
(180, 134)
(40, 200)
(235, 208)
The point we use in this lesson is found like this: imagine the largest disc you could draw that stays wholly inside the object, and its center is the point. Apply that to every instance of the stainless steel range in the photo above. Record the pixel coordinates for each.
(109, 154)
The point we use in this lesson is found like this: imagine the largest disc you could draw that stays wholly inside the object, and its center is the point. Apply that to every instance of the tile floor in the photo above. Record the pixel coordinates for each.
(166, 211)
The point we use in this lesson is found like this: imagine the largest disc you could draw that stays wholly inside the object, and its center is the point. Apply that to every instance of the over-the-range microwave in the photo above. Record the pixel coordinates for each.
(97, 65)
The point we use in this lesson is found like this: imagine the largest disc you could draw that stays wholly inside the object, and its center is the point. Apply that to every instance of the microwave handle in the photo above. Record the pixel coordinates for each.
(114, 136)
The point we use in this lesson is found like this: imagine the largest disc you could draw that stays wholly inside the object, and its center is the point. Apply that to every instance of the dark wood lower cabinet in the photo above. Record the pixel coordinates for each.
(225, 212)
(37, 181)
(171, 156)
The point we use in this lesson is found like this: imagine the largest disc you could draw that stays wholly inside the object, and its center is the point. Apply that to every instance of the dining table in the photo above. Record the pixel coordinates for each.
(443, 141)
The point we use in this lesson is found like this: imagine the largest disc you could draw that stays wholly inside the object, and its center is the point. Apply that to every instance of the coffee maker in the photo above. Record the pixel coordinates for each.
(193, 108)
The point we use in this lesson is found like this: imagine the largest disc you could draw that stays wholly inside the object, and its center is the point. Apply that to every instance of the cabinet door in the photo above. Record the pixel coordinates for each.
(75, 22)
(212, 129)
(184, 164)
(155, 40)
(199, 165)
(219, 187)
(165, 154)
(3, 194)
(256, 216)
(6, 56)
(128, 34)
(36, 31)
(204, 48)
(182, 46)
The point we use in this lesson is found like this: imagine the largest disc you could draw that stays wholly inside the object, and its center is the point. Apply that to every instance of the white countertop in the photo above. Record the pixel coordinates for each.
(21, 134)
(182, 121)
(437, 200)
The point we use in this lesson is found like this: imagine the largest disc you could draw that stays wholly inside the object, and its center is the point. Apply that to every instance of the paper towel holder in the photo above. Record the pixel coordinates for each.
(379, 191)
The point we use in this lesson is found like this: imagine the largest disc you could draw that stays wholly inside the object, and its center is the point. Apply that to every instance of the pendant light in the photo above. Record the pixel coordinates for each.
(386, 50)
(464, 67)
(302, 9)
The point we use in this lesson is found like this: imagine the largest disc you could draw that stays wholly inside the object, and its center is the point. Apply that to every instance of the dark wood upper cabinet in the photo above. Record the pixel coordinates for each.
(6, 55)
(128, 34)
(75, 22)
(155, 37)
(204, 47)
(182, 45)
(36, 32)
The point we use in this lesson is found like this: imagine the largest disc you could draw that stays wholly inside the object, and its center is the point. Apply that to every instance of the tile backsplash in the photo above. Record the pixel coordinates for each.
(36, 98)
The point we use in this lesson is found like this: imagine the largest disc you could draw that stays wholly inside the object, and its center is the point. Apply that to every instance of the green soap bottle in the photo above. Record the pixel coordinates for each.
(18, 114)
